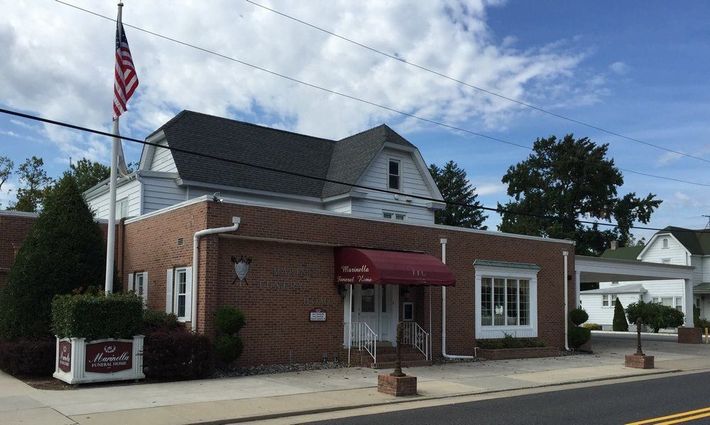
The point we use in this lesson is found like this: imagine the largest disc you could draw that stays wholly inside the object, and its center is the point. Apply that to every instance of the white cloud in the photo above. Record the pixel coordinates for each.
(486, 189)
(58, 63)
(619, 68)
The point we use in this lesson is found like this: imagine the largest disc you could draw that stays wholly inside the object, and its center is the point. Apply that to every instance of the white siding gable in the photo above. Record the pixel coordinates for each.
(412, 182)
(163, 159)
(657, 251)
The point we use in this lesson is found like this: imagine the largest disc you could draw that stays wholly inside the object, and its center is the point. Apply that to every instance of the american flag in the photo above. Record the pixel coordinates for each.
(126, 78)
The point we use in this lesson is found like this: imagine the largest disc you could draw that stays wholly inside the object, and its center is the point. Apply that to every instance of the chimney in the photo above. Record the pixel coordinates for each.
(614, 245)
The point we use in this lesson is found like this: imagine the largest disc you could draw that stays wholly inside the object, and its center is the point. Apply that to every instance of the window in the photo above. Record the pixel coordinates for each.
(665, 243)
(506, 300)
(675, 302)
(391, 215)
(367, 299)
(138, 283)
(178, 298)
(666, 261)
(121, 208)
(407, 312)
(608, 300)
(394, 175)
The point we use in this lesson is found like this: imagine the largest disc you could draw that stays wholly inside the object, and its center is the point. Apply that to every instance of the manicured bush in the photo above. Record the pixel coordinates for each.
(592, 326)
(578, 316)
(228, 348)
(578, 336)
(154, 320)
(28, 357)
(509, 342)
(63, 250)
(229, 320)
(655, 315)
(177, 355)
(97, 316)
(619, 324)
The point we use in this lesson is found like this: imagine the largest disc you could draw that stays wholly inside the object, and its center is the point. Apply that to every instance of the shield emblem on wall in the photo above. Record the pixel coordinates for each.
(241, 268)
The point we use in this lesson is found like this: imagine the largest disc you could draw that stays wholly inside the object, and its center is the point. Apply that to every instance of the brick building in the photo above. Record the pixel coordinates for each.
(14, 227)
(293, 272)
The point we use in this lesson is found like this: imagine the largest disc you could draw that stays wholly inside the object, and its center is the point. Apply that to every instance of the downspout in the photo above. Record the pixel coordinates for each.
(195, 261)
(443, 312)
(564, 255)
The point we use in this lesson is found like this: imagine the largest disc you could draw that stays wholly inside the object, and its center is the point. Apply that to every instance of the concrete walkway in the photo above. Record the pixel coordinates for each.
(266, 396)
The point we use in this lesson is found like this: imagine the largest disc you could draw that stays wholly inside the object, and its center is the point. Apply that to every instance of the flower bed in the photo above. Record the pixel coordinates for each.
(517, 353)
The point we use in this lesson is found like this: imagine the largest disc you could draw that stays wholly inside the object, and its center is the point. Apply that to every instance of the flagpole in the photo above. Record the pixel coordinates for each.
(111, 234)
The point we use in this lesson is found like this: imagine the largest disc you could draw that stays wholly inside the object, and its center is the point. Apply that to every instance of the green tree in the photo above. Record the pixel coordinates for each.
(88, 173)
(455, 187)
(655, 315)
(564, 181)
(619, 324)
(6, 166)
(64, 250)
(34, 185)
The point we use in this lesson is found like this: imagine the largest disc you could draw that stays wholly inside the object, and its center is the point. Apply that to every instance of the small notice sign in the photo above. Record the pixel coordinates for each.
(317, 315)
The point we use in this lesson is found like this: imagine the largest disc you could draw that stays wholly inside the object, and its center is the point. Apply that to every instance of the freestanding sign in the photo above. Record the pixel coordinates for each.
(99, 361)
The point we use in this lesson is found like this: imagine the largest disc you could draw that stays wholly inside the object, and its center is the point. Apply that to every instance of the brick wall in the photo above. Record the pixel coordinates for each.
(14, 228)
(286, 280)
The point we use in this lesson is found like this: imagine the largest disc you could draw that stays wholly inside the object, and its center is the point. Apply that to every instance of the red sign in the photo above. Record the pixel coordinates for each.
(109, 356)
(65, 356)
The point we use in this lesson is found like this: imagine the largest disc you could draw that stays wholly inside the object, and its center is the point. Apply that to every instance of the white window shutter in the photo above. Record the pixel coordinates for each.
(188, 293)
(130, 287)
(145, 288)
(169, 291)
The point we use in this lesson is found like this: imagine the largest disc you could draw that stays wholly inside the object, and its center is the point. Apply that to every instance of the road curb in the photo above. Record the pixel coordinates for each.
(411, 399)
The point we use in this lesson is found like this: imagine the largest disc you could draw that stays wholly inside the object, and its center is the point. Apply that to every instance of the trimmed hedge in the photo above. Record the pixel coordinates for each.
(592, 326)
(228, 346)
(619, 324)
(229, 320)
(97, 316)
(28, 357)
(154, 320)
(177, 355)
(578, 316)
(578, 336)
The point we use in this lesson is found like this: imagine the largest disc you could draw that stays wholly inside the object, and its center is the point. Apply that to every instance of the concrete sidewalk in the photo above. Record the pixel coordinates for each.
(261, 397)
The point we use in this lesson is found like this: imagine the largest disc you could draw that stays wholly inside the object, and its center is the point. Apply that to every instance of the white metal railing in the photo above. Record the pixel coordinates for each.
(363, 337)
(416, 336)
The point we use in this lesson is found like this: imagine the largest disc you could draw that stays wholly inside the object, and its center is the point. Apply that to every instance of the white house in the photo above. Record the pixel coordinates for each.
(673, 246)
(378, 158)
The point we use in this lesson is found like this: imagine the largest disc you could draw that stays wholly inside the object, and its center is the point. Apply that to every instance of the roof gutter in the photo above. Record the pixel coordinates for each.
(195, 261)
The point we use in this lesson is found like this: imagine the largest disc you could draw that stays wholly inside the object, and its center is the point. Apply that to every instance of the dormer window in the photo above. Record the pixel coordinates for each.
(394, 175)
(665, 243)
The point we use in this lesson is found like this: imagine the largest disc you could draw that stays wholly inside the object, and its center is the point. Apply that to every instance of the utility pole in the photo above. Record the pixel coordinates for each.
(707, 226)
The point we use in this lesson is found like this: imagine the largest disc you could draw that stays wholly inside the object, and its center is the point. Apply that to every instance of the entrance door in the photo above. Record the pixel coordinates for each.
(376, 305)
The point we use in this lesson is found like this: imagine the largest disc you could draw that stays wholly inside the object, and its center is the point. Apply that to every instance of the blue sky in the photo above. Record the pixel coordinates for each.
(637, 68)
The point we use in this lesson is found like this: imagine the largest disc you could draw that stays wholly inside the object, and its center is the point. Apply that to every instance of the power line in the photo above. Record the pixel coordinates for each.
(317, 178)
(472, 86)
(345, 95)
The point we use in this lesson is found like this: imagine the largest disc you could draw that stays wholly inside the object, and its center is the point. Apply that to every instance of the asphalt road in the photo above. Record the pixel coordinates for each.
(605, 404)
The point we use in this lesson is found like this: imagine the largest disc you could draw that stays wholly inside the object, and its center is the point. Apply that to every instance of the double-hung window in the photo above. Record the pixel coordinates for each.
(178, 297)
(394, 181)
(608, 300)
(506, 299)
(138, 283)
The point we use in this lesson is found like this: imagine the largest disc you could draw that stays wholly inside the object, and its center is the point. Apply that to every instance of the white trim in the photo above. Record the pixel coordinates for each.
(489, 332)
(169, 290)
(348, 216)
(19, 214)
(187, 183)
(148, 151)
(102, 187)
(399, 187)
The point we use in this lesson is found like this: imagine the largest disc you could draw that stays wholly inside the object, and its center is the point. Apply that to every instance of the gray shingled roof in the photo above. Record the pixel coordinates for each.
(635, 288)
(343, 160)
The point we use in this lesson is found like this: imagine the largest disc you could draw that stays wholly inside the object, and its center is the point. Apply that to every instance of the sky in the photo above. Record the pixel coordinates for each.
(636, 68)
